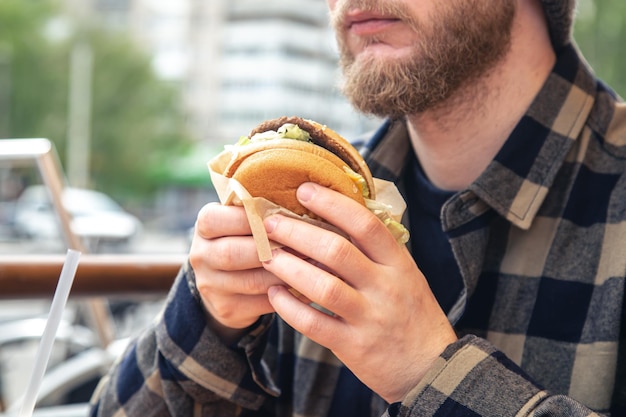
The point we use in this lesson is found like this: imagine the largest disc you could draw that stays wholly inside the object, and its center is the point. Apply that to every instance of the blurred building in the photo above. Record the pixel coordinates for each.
(239, 62)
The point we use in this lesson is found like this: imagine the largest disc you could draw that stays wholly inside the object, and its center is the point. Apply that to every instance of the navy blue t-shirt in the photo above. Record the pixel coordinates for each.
(429, 245)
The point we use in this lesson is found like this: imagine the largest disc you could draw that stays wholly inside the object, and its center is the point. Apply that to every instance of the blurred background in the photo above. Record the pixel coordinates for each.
(137, 95)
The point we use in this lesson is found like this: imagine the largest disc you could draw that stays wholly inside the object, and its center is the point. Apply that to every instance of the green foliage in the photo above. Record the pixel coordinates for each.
(600, 32)
(135, 118)
(35, 77)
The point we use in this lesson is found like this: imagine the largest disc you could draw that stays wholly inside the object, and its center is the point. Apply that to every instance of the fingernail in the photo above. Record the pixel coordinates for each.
(305, 192)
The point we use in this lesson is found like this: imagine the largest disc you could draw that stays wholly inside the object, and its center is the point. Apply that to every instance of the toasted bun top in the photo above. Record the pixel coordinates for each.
(274, 168)
(240, 153)
(275, 174)
(327, 138)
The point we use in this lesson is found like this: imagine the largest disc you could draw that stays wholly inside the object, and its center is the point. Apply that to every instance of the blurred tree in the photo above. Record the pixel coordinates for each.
(600, 31)
(136, 119)
(34, 87)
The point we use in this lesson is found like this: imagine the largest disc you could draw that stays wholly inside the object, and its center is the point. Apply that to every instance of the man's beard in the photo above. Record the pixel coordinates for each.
(464, 41)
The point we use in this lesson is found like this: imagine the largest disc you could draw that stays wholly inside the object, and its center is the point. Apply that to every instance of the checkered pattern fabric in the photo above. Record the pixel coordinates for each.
(540, 239)
(560, 17)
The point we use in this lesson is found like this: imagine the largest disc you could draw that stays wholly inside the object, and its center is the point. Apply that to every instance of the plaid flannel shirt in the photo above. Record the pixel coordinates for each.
(540, 239)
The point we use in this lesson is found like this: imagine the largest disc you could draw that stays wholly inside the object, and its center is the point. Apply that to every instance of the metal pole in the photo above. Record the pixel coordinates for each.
(79, 115)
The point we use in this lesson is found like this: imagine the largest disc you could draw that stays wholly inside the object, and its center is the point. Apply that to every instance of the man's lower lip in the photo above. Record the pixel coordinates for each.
(371, 27)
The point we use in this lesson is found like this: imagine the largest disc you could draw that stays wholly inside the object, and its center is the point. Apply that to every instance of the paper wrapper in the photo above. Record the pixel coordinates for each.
(231, 192)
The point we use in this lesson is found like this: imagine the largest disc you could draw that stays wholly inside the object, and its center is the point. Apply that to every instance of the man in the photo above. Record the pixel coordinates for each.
(511, 157)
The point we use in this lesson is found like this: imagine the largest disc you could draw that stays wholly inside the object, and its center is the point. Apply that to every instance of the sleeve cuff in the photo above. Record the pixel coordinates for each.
(198, 355)
(471, 376)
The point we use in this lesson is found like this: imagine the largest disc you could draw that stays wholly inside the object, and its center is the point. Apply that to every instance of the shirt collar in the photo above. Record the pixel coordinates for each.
(516, 182)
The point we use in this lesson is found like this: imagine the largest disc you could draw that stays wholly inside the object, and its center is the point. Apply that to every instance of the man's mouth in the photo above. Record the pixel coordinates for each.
(364, 23)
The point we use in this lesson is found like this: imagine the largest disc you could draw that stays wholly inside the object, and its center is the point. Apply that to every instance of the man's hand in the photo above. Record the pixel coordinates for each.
(229, 276)
(386, 325)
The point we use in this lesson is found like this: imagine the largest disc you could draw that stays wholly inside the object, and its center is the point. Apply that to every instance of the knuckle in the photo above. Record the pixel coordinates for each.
(195, 258)
(222, 309)
(368, 225)
(215, 254)
(253, 282)
(205, 289)
(337, 249)
(227, 253)
(309, 323)
(221, 253)
(218, 303)
(329, 291)
(205, 220)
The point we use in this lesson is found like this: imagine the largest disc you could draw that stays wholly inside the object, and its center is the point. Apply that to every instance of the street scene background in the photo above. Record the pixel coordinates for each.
(135, 97)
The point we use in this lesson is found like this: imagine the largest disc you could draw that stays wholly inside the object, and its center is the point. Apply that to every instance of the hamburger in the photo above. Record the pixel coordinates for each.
(280, 154)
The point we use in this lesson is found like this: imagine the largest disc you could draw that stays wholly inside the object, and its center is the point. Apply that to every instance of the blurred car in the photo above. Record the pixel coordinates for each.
(96, 218)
